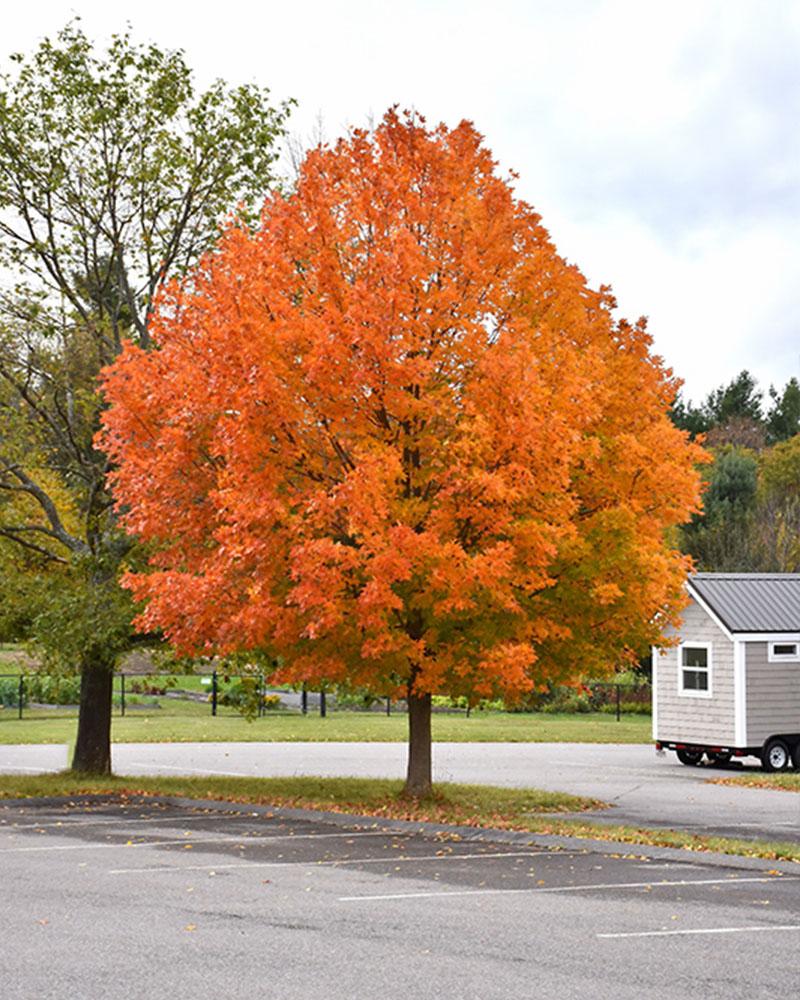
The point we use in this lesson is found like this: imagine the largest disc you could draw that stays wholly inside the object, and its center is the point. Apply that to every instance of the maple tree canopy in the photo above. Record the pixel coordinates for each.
(390, 436)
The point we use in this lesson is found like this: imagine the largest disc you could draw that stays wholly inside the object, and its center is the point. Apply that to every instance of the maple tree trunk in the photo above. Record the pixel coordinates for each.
(419, 777)
(93, 744)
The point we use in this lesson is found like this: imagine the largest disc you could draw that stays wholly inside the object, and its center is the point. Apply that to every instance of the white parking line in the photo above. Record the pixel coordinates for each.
(195, 842)
(122, 821)
(180, 770)
(702, 930)
(567, 888)
(389, 859)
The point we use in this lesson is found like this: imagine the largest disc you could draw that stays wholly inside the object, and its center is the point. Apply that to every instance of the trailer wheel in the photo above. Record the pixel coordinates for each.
(691, 758)
(796, 756)
(719, 759)
(775, 756)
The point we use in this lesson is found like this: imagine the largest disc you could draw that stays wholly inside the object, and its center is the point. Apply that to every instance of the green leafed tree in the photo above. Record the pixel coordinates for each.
(115, 174)
(740, 398)
(721, 538)
(783, 418)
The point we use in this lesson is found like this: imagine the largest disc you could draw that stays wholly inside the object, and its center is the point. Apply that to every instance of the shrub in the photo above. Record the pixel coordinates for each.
(627, 708)
(568, 702)
(355, 699)
(9, 693)
(53, 689)
(152, 685)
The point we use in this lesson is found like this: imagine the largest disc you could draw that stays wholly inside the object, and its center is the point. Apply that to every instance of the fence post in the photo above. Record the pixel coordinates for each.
(122, 693)
(260, 695)
(618, 704)
(21, 694)
(304, 700)
(214, 693)
(323, 708)
(388, 706)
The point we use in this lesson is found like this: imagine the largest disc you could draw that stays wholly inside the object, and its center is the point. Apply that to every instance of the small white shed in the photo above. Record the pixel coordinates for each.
(731, 686)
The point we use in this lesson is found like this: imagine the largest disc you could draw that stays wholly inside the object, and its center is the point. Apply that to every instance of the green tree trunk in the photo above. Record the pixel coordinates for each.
(93, 744)
(419, 777)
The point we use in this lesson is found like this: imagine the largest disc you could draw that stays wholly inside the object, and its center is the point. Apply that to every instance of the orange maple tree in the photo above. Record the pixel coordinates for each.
(391, 437)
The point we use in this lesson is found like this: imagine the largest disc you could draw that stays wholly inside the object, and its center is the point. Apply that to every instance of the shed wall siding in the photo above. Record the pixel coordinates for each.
(686, 719)
(773, 695)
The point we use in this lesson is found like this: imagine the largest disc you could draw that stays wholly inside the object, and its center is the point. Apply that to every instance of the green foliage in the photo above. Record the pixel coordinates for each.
(120, 173)
(567, 700)
(732, 484)
(9, 692)
(688, 417)
(783, 418)
(152, 685)
(53, 689)
(779, 470)
(84, 621)
(359, 699)
(740, 398)
(720, 539)
(751, 521)
(244, 694)
(461, 703)
(733, 413)
(18, 598)
(626, 708)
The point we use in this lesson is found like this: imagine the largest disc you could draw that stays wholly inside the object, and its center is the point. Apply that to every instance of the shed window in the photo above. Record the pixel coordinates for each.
(784, 651)
(695, 670)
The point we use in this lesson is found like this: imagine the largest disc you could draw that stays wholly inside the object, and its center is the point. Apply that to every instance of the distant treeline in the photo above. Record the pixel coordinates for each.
(751, 521)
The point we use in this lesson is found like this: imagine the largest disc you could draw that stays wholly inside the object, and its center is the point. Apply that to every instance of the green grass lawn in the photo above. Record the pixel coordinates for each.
(185, 722)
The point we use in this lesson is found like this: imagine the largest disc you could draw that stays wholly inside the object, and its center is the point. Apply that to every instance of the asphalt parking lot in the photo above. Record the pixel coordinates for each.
(146, 900)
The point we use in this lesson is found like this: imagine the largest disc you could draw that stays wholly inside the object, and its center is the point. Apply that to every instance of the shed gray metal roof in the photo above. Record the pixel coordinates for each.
(751, 602)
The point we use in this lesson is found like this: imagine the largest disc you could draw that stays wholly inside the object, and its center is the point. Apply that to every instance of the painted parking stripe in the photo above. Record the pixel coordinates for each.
(196, 842)
(567, 888)
(702, 930)
(206, 771)
(71, 824)
(389, 859)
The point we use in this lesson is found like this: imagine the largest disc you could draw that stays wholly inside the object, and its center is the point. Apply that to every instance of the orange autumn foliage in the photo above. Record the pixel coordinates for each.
(392, 437)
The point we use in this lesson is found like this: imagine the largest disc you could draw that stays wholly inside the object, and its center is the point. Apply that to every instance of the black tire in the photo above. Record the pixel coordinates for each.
(796, 756)
(719, 759)
(691, 758)
(776, 755)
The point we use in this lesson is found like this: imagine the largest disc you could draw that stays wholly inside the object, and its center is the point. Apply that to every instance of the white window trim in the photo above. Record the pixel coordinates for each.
(691, 692)
(774, 657)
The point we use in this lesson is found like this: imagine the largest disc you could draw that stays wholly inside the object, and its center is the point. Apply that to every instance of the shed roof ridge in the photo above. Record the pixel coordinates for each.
(703, 575)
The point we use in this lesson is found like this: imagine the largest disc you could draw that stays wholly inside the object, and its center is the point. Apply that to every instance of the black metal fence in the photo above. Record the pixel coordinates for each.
(219, 693)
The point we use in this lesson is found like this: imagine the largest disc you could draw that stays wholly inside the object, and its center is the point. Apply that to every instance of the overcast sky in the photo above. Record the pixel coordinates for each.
(659, 141)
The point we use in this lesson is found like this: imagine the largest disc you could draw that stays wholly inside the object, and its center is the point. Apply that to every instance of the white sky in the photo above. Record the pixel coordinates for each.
(659, 141)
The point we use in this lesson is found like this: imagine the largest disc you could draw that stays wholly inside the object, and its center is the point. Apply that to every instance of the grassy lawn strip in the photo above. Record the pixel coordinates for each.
(526, 810)
(786, 782)
(180, 722)
(473, 805)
